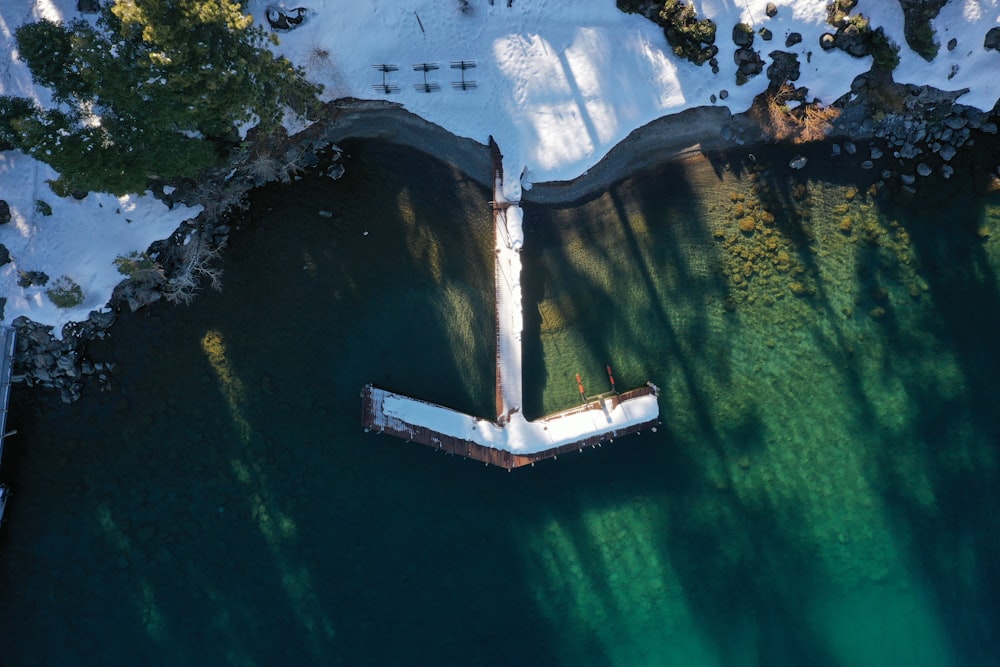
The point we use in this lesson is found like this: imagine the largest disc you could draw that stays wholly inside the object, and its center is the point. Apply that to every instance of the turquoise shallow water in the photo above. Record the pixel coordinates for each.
(822, 491)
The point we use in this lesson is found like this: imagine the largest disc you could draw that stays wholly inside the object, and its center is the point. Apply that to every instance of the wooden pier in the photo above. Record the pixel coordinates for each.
(378, 421)
(510, 441)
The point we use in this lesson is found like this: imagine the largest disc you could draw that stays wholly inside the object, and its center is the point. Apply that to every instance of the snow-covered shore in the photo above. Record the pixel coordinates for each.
(560, 89)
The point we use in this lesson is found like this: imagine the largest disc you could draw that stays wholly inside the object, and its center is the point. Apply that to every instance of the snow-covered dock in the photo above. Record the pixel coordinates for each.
(511, 441)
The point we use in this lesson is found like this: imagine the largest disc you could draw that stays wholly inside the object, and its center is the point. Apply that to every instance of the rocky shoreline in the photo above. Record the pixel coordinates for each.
(913, 133)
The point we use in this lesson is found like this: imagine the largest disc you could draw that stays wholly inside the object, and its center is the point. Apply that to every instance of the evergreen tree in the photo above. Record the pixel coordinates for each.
(157, 88)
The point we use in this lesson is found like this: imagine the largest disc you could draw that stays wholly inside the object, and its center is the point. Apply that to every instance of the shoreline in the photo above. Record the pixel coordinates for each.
(665, 139)
(673, 137)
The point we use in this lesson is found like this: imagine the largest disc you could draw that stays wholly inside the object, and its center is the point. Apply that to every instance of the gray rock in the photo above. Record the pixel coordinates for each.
(798, 162)
(908, 179)
(793, 39)
(947, 152)
(850, 147)
(952, 43)
(924, 169)
(835, 150)
(989, 128)
(827, 41)
(867, 164)
(723, 94)
(956, 122)
(947, 170)
(876, 152)
(771, 10)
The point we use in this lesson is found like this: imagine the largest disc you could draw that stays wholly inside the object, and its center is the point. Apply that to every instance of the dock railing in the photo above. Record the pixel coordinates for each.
(8, 337)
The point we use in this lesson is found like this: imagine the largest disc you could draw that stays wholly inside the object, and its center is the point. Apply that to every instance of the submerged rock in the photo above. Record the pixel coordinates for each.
(798, 162)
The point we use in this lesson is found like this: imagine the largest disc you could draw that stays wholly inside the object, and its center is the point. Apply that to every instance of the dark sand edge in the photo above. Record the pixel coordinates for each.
(664, 139)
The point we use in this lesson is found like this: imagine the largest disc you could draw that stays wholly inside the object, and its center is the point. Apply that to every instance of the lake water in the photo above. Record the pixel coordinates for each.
(822, 490)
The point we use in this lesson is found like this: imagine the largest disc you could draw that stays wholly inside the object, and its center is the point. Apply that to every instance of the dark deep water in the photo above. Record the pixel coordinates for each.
(822, 492)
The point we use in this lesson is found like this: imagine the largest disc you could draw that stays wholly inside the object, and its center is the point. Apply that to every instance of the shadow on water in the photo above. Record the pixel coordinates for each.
(951, 527)
(222, 505)
(738, 566)
(593, 265)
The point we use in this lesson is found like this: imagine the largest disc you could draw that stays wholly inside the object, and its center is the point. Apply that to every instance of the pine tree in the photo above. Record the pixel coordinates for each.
(157, 88)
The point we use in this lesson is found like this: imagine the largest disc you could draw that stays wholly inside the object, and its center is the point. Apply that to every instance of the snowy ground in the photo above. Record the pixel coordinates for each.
(558, 85)
(561, 83)
(80, 239)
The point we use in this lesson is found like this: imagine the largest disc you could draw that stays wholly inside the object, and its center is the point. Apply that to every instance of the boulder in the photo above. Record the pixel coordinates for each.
(793, 39)
(280, 18)
(924, 169)
(742, 34)
(952, 43)
(992, 40)
(4, 212)
(827, 41)
(771, 10)
(798, 162)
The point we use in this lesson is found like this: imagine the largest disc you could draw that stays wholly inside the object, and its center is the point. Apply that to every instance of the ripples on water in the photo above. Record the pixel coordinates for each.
(821, 492)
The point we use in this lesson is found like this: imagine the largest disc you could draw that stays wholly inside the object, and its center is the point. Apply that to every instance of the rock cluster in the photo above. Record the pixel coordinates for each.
(925, 141)
(748, 61)
(43, 360)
